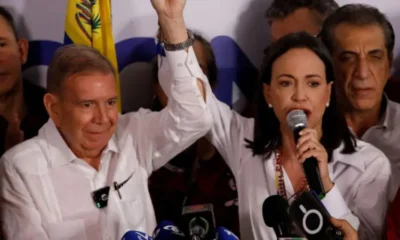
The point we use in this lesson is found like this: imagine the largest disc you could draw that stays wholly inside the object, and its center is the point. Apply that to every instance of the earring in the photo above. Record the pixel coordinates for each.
(270, 105)
(327, 105)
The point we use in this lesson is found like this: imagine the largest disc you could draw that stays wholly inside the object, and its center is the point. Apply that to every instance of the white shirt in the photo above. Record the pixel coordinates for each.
(45, 190)
(361, 179)
(386, 136)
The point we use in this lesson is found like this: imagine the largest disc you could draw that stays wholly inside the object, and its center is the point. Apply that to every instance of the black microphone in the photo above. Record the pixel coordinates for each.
(297, 120)
(275, 214)
(313, 219)
(198, 222)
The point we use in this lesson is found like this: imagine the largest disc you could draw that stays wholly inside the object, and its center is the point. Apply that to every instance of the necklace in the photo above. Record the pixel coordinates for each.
(280, 182)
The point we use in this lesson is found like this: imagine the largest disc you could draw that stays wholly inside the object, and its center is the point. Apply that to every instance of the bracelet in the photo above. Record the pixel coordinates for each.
(179, 46)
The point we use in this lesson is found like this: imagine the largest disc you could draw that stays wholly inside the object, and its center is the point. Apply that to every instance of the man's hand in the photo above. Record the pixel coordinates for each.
(349, 232)
(171, 9)
(170, 19)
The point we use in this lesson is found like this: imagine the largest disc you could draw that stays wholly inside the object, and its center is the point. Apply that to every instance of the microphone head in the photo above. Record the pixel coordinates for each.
(198, 220)
(275, 210)
(225, 234)
(296, 118)
(135, 235)
(167, 230)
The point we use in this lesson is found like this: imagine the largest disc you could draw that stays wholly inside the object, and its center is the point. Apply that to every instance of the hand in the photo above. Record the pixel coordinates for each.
(14, 134)
(170, 20)
(171, 9)
(308, 146)
(349, 232)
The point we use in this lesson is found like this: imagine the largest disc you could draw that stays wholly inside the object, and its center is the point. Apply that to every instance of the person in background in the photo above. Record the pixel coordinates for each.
(199, 174)
(85, 176)
(291, 16)
(22, 112)
(392, 89)
(361, 41)
(265, 159)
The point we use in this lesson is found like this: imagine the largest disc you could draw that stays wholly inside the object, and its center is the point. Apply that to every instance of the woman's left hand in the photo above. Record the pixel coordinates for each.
(308, 146)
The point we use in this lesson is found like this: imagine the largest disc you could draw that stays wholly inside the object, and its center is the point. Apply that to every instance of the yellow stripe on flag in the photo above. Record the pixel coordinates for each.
(88, 22)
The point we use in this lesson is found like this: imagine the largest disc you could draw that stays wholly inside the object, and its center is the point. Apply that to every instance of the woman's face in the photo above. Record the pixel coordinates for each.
(298, 81)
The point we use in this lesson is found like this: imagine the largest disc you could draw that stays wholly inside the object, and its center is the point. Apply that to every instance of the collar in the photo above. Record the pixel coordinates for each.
(390, 115)
(59, 154)
(353, 159)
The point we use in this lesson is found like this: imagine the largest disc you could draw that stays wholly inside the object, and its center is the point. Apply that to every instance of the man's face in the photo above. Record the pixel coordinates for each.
(87, 111)
(361, 64)
(303, 19)
(13, 53)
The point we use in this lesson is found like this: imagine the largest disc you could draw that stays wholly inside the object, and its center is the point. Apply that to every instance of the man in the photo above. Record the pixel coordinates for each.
(83, 177)
(361, 41)
(291, 16)
(199, 174)
(21, 103)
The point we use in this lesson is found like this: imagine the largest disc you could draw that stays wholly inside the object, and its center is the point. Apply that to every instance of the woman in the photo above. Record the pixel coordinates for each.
(298, 74)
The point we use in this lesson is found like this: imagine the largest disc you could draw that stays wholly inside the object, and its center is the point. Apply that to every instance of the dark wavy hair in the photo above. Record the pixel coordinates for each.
(267, 135)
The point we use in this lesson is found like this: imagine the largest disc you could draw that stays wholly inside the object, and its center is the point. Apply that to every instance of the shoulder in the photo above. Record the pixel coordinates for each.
(27, 156)
(371, 155)
(394, 107)
(134, 118)
(366, 156)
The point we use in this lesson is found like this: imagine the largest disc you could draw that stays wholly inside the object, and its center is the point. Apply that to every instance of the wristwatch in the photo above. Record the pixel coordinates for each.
(179, 46)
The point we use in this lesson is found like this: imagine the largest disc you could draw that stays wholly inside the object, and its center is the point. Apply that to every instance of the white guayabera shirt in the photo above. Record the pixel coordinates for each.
(45, 190)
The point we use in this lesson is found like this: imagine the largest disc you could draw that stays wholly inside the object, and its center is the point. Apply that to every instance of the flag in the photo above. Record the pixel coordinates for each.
(88, 22)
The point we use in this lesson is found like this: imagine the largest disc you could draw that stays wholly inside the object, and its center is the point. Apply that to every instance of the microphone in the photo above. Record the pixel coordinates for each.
(313, 219)
(297, 120)
(225, 234)
(136, 235)
(275, 214)
(167, 230)
(198, 222)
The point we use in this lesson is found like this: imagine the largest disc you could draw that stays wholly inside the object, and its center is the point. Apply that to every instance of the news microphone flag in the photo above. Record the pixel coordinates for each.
(88, 22)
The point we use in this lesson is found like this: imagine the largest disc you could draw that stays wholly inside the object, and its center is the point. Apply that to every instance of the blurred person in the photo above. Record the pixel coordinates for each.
(199, 174)
(265, 160)
(22, 112)
(392, 88)
(85, 175)
(292, 16)
(361, 40)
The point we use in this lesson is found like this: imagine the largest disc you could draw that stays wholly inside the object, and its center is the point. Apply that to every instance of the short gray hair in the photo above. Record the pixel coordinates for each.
(72, 59)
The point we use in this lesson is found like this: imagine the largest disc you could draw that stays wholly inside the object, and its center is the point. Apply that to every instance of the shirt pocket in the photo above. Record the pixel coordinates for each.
(132, 205)
(67, 230)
